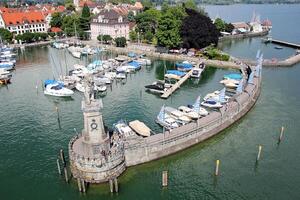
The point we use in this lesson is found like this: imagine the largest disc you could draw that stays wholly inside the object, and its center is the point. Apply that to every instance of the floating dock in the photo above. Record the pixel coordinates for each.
(284, 43)
(177, 85)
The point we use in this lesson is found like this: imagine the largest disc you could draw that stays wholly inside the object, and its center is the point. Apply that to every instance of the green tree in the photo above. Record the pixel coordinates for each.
(69, 24)
(130, 16)
(104, 38)
(56, 19)
(85, 18)
(229, 27)
(147, 21)
(120, 41)
(220, 24)
(149, 36)
(190, 4)
(168, 32)
(6, 35)
(147, 4)
(133, 36)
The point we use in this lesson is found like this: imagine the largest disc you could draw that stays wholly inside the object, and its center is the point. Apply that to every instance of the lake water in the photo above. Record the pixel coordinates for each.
(31, 138)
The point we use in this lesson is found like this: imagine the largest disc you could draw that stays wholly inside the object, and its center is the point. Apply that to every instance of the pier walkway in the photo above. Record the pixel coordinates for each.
(281, 42)
(177, 85)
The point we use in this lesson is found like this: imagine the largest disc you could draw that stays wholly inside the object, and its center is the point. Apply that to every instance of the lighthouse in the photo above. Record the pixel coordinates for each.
(94, 156)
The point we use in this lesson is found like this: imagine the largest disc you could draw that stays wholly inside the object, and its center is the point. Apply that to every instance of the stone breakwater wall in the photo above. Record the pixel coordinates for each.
(245, 35)
(142, 150)
(277, 63)
(93, 169)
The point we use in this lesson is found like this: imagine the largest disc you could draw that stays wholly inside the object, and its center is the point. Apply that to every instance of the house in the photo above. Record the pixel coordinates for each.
(109, 22)
(22, 22)
(256, 27)
(240, 27)
(266, 24)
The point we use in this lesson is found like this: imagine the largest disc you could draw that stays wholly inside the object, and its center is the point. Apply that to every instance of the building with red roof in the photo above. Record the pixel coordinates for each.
(22, 22)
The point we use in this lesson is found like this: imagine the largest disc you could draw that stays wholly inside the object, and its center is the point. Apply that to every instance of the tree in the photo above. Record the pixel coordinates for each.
(85, 18)
(133, 36)
(69, 24)
(220, 24)
(104, 38)
(198, 31)
(147, 21)
(56, 20)
(6, 35)
(120, 41)
(169, 24)
(190, 4)
(147, 4)
(149, 36)
(130, 16)
(229, 28)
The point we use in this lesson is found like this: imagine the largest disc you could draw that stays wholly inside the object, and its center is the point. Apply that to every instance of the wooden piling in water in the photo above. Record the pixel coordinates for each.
(111, 185)
(66, 175)
(259, 152)
(217, 167)
(62, 157)
(281, 134)
(58, 166)
(165, 178)
(83, 186)
(116, 185)
(79, 185)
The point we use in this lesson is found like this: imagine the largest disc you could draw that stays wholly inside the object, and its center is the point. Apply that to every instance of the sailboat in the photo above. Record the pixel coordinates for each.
(165, 120)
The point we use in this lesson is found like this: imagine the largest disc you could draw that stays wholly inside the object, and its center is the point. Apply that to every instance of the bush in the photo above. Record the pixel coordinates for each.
(120, 41)
(104, 38)
(215, 54)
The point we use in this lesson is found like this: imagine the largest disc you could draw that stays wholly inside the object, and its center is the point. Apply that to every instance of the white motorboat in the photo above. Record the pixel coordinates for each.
(214, 95)
(211, 103)
(179, 116)
(196, 72)
(121, 76)
(102, 80)
(76, 54)
(143, 61)
(58, 90)
(172, 76)
(110, 75)
(189, 112)
(140, 128)
(80, 87)
(230, 83)
(100, 88)
(123, 129)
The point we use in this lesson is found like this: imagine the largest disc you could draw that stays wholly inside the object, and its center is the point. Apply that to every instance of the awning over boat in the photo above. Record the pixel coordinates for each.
(131, 55)
(184, 65)
(140, 128)
(176, 72)
(134, 64)
(50, 81)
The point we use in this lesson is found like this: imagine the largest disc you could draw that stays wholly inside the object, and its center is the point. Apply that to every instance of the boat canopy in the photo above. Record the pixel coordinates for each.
(131, 55)
(140, 128)
(184, 65)
(50, 81)
(134, 64)
(176, 72)
(233, 76)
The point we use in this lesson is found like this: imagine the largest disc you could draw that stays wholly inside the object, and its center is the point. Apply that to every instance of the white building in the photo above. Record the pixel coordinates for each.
(22, 22)
(109, 22)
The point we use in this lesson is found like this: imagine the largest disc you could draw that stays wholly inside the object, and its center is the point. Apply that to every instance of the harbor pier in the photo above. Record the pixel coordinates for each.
(284, 43)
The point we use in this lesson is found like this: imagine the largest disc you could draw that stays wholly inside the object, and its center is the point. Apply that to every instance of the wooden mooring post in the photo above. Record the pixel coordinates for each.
(259, 153)
(79, 185)
(281, 135)
(116, 185)
(62, 157)
(66, 175)
(58, 166)
(111, 185)
(165, 178)
(217, 167)
(83, 186)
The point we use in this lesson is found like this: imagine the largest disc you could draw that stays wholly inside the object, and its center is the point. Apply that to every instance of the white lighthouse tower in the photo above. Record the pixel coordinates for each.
(94, 156)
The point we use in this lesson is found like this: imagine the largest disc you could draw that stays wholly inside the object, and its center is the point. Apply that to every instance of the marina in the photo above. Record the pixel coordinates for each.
(250, 145)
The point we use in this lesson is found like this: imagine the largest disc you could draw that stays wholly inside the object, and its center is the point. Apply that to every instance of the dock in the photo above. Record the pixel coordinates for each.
(284, 43)
(177, 85)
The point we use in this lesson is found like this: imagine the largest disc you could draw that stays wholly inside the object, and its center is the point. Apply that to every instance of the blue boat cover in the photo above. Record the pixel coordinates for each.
(134, 64)
(97, 62)
(131, 55)
(176, 72)
(184, 65)
(233, 76)
(49, 81)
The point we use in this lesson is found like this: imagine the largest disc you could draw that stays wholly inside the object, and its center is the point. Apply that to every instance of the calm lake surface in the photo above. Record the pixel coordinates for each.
(31, 138)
